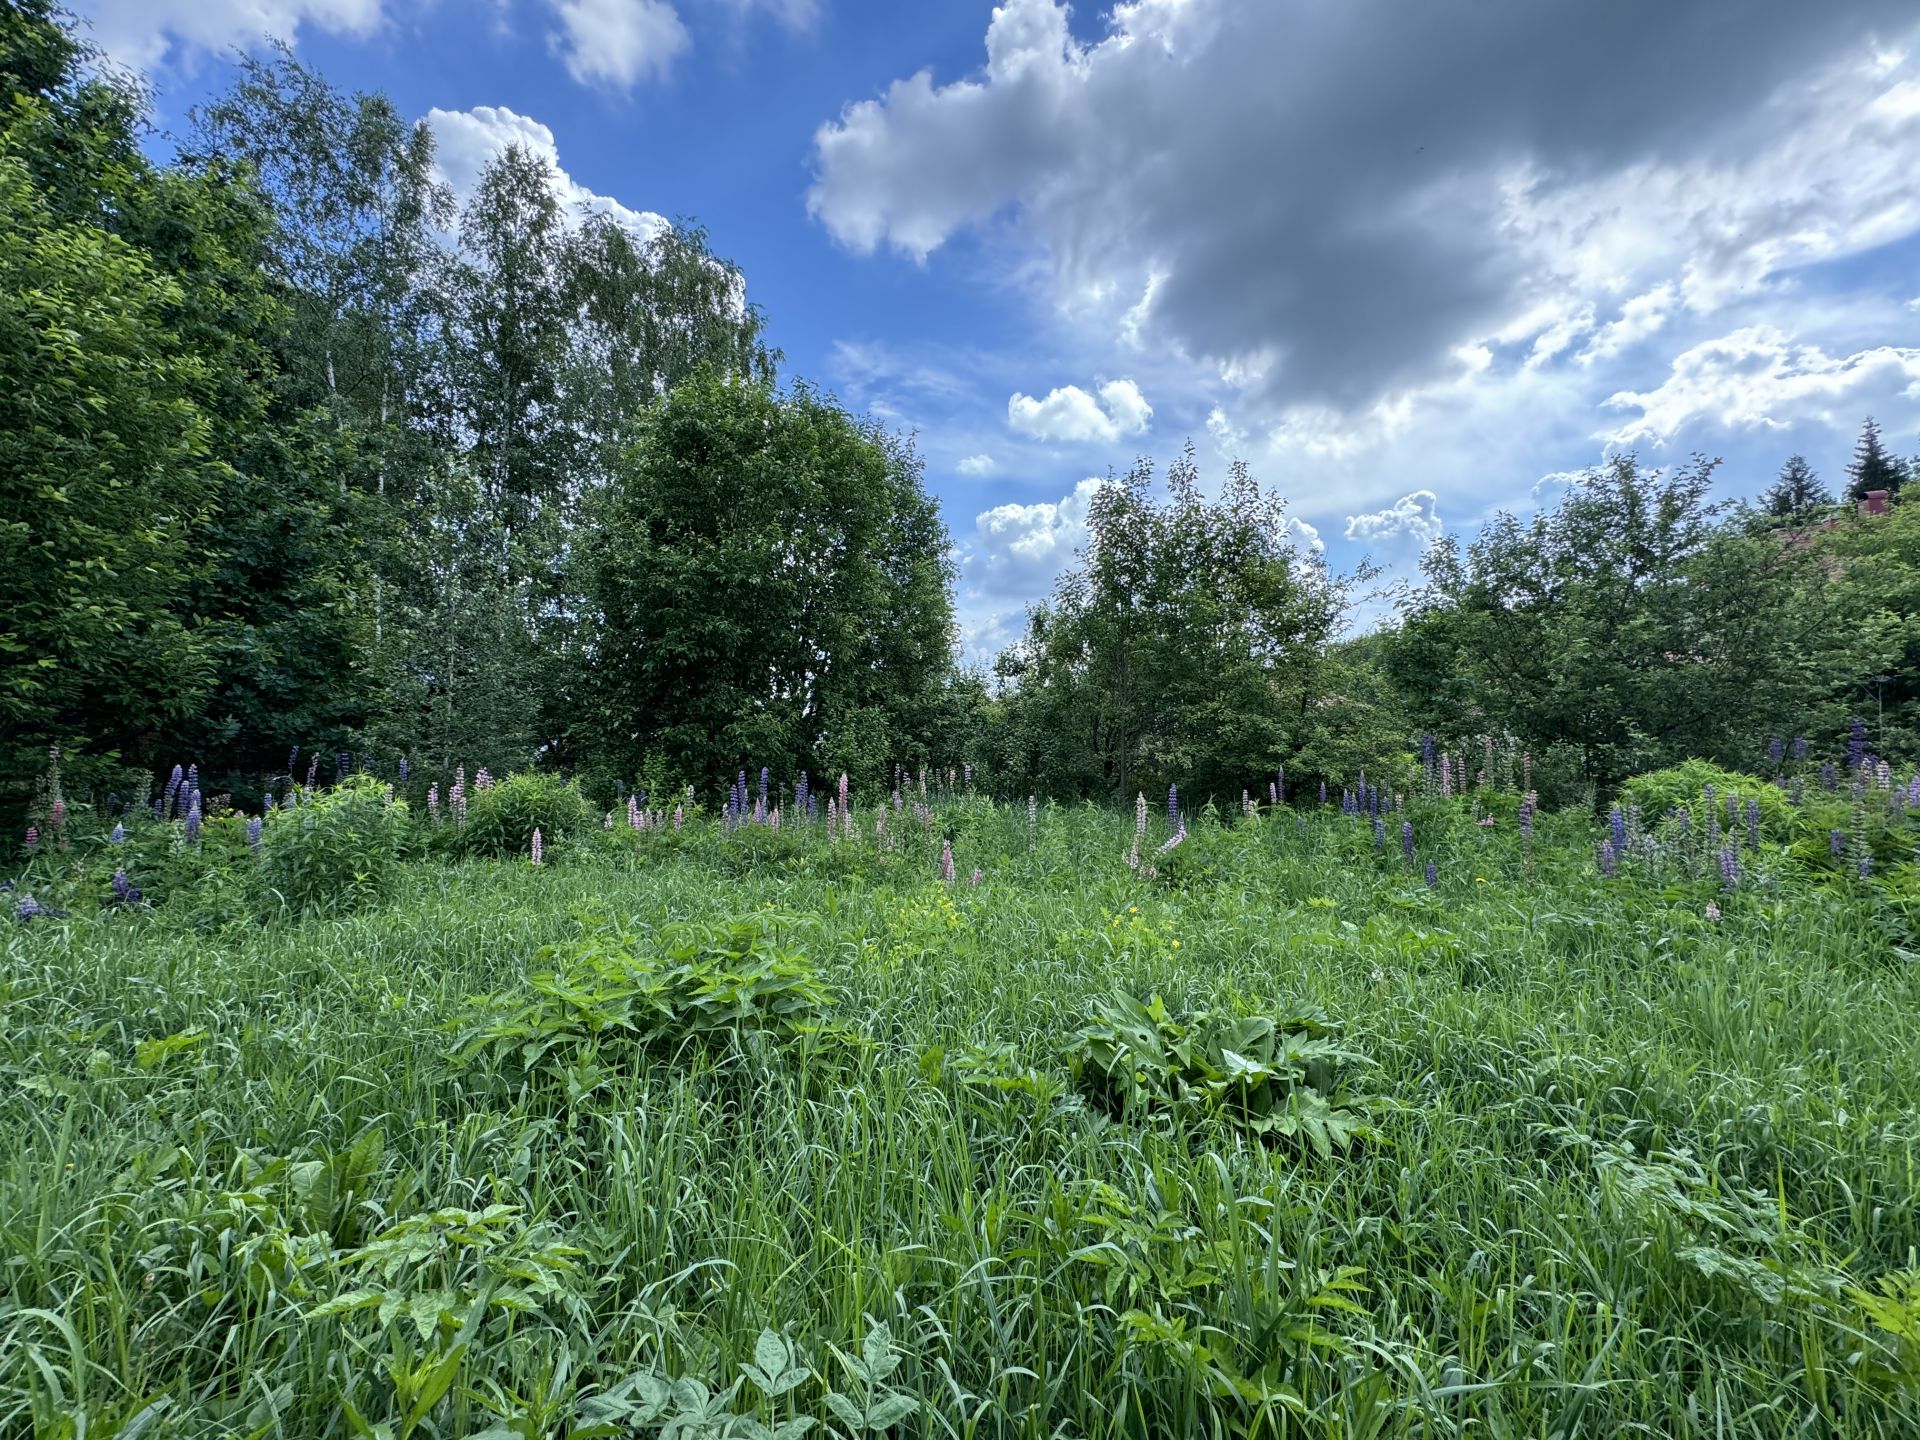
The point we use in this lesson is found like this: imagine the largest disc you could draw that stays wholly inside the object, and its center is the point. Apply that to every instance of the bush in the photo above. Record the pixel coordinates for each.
(1660, 791)
(338, 850)
(502, 818)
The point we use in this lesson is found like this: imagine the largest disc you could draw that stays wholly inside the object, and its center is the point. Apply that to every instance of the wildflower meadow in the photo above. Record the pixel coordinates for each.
(793, 1109)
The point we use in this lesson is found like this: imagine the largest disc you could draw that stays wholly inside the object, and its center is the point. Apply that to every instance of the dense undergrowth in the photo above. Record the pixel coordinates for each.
(706, 1133)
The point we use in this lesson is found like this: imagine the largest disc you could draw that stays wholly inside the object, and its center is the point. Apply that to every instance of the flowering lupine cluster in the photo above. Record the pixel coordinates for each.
(536, 844)
(118, 835)
(946, 862)
(406, 769)
(482, 780)
(193, 818)
(1173, 805)
(1856, 743)
(1406, 840)
(433, 802)
(457, 797)
(1139, 830)
(1609, 859)
(313, 770)
(1729, 869)
(125, 892)
(33, 838)
(255, 827)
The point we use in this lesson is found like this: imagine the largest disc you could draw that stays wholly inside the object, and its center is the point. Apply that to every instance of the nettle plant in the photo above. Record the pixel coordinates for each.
(612, 997)
(1278, 1079)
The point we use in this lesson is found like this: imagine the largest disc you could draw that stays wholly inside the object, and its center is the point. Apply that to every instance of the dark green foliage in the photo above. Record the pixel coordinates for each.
(1191, 646)
(1873, 467)
(768, 586)
(1277, 1079)
(1626, 624)
(501, 819)
(336, 850)
(1797, 492)
(129, 308)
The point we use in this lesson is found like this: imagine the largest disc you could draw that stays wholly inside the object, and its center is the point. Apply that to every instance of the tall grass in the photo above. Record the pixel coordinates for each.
(1630, 1166)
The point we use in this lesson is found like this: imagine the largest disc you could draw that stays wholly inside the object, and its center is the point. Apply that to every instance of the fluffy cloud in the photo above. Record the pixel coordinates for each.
(1019, 549)
(1305, 536)
(1757, 378)
(1478, 187)
(976, 465)
(466, 141)
(145, 33)
(617, 43)
(1071, 414)
(1414, 517)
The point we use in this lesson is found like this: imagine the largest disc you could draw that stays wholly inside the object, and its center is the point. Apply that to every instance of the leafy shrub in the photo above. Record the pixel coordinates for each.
(1659, 791)
(338, 850)
(1272, 1078)
(502, 818)
(609, 999)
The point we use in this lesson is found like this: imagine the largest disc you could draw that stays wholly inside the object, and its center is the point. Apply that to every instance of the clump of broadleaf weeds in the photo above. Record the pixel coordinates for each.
(613, 996)
(1276, 1078)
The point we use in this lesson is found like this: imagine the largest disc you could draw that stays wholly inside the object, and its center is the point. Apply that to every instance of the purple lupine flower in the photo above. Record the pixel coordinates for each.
(406, 769)
(1686, 821)
(1433, 875)
(1617, 829)
(1178, 836)
(1173, 805)
(946, 862)
(33, 837)
(1836, 843)
(174, 781)
(800, 795)
(1799, 747)
(1526, 820)
(763, 788)
(1426, 750)
(1406, 840)
(1323, 792)
(1729, 869)
(1379, 833)
(1609, 859)
(1856, 743)
(1776, 751)
(1828, 780)
(1753, 824)
(313, 769)
(193, 821)
(125, 892)
(1709, 794)
(254, 827)
(1280, 785)
(536, 844)
(118, 835)
(266, 803)
(1866, 866)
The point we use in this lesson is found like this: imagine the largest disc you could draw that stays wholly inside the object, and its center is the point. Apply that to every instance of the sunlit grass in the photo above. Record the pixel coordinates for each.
(1629, 1159)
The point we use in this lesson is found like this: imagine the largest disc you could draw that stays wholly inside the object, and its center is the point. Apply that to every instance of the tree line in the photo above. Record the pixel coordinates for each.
(295, 451)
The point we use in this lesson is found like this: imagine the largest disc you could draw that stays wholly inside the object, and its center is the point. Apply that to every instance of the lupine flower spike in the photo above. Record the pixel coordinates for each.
(946, 862)
(536, 844)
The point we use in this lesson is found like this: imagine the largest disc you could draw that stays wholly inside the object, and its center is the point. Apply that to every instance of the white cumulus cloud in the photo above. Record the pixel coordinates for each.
(1019, 549)
(1071, 414)
(145, 33)
(976, 465)
(1757, 377)
(467, 141)
(1413, 517)
(617, 43)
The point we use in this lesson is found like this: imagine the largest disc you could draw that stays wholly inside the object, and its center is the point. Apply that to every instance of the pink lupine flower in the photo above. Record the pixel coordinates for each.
(678, 816)
(607, 824)
(974, 879)
(633, 812)
(1712, 913)
(33, 837)
(536, 844)
(433, 803)
(946, 862)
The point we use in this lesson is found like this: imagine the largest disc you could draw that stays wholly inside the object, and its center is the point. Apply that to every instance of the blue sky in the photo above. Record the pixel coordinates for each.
(1412, 263)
